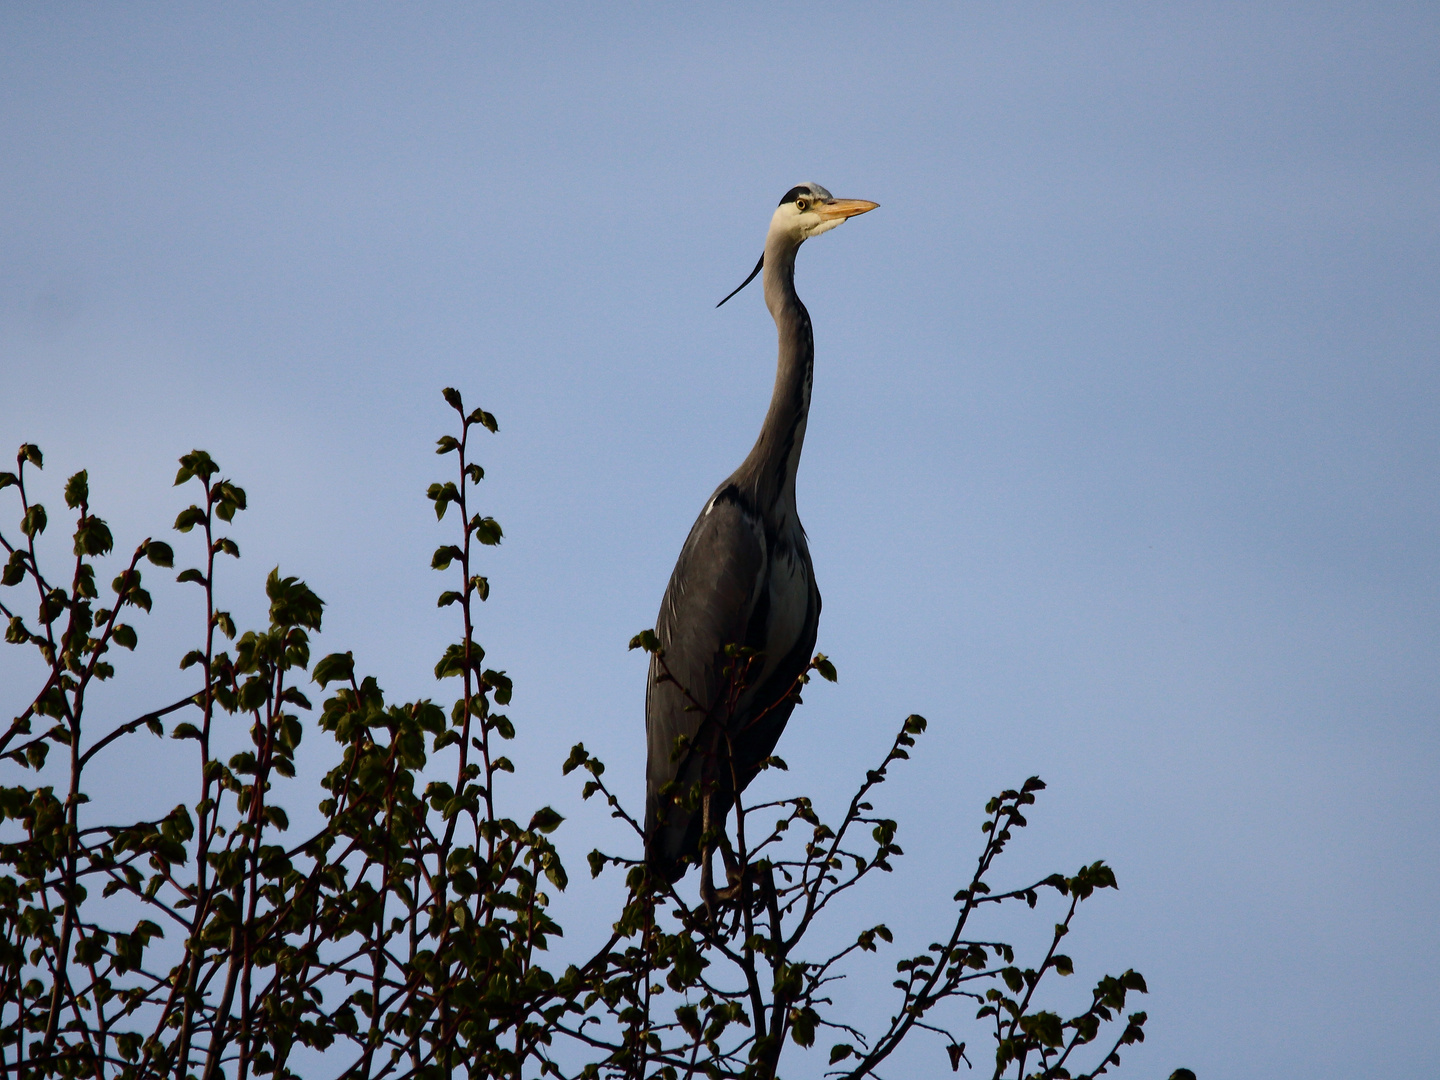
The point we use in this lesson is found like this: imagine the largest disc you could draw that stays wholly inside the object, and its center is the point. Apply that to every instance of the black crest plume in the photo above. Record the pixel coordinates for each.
(749, 279)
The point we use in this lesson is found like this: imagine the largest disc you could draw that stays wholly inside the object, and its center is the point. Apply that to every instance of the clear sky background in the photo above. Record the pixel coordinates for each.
(1122, 464)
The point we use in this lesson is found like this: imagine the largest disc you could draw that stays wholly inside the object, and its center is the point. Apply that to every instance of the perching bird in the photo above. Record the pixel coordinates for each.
(743, 578)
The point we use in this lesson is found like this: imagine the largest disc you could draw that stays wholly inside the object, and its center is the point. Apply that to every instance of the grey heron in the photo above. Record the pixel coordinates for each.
(743, 579)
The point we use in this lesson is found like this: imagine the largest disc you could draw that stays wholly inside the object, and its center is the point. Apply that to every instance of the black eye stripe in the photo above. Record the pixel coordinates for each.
(796, 193)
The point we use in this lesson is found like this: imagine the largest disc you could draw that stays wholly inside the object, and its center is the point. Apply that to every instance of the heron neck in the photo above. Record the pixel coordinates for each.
(772, 464)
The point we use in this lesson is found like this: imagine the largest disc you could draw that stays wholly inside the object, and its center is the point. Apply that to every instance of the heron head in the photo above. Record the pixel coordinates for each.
(806, 210)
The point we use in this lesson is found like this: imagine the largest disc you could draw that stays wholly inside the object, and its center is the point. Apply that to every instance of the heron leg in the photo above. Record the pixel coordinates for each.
(735, 881)
(733, 869)
(707, 881)
(708, 895)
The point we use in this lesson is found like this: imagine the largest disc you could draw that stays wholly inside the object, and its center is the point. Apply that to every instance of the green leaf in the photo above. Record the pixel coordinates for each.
(841, 1051)
(546, 820)
(501, 684)
(822, 664)
(124, 636)
(448, 597)
(291, 602)
(802, 1025)
(92, 537)
(77, 490)
(447, 444)
(85, 587)
(429, 716)
(230, 498)
(185, 731)
(160, 553)
(453, 661)
(688, 1016)
(7, 479)
(956, 1052)
(452, 398)
(196, 463)
(188, 518)
(486, 530)
(578, 756)
(484, 419)
(442, 495)
(501, 723)
(89, 949)
(191, 575)
(1045, 1028)
(444, 556)
(292, 696)
(31, 453)
(52, 605)
(14, 572)
(646, 640)
(34, 521)
(128, 1043)
(337, 667)
(555, 870)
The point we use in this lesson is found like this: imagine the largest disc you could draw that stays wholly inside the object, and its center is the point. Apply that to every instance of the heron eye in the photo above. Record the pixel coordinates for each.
(801, 204)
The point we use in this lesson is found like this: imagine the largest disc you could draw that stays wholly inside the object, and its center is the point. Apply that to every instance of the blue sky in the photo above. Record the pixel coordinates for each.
(1121, 468)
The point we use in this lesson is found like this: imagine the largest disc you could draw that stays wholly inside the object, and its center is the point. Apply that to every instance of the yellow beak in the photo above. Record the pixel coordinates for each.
(840, 209)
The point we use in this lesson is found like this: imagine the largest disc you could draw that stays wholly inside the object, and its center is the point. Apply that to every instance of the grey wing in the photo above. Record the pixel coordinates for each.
(708, 605)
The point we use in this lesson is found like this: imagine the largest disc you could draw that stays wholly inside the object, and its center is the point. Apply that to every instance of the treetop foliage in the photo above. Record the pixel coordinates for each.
(408, 935)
